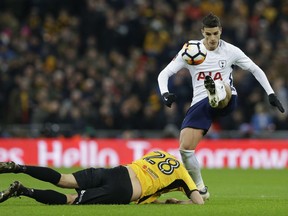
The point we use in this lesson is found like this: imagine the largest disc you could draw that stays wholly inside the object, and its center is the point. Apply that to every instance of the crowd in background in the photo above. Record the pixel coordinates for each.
(94, 64)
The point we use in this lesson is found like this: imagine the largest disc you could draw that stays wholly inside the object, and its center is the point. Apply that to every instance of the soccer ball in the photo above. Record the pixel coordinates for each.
(194, 52)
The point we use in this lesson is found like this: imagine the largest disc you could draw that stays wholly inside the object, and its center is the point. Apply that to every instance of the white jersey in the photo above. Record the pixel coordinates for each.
(218, 64)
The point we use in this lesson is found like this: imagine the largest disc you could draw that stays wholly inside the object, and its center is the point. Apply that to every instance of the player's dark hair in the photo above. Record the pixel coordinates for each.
(211, 21)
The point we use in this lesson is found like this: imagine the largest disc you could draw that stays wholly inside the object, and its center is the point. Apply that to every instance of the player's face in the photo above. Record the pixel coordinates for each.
(211, 37)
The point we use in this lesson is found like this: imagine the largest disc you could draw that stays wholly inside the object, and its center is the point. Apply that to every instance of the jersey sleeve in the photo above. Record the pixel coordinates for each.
(172, 68)
(246, 63)
(189, 185)
(241, 59)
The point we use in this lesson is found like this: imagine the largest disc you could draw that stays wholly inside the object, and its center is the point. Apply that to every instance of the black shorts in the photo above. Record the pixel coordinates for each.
(103, 186)
(201, 114)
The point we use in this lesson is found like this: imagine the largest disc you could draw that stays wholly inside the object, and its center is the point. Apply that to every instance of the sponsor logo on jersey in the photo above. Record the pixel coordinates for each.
(151, 172)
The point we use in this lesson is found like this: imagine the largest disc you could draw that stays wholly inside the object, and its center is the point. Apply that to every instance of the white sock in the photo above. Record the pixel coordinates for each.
(220, 89)
(192, 165)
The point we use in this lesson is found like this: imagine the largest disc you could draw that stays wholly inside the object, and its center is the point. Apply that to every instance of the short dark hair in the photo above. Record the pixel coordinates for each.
(211, 21)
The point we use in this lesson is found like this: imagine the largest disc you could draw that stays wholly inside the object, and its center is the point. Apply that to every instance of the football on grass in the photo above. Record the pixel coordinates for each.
(194, 52)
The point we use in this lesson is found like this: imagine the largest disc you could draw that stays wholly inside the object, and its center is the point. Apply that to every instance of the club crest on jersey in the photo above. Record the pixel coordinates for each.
(222, 63)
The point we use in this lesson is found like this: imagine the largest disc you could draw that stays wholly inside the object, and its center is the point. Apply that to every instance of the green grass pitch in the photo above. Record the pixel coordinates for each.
(233, 192)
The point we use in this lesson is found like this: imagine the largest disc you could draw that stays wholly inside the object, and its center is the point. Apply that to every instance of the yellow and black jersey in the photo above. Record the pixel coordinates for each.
(159, 172)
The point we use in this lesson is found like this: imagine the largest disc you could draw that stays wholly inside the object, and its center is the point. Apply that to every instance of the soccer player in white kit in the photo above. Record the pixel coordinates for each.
(213, 91)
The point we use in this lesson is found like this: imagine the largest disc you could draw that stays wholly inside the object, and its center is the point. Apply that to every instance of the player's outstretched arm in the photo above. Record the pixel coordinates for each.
(275, 102)
(173, 201)
(195, 198)
(168, 201)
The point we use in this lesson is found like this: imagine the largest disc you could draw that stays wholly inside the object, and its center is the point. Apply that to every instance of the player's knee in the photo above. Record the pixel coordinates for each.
(223, 103)
(189, 138)
(185, 145)
(188, 146)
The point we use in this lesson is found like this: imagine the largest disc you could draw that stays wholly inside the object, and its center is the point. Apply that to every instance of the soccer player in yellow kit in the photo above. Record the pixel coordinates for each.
(142, 181)
(159, 172)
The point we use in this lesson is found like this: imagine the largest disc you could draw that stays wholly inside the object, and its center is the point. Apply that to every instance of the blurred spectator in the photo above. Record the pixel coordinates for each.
(261, 120)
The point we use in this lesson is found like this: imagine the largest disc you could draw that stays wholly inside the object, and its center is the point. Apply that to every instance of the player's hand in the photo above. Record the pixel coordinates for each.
(275, 102)
(168, 98)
